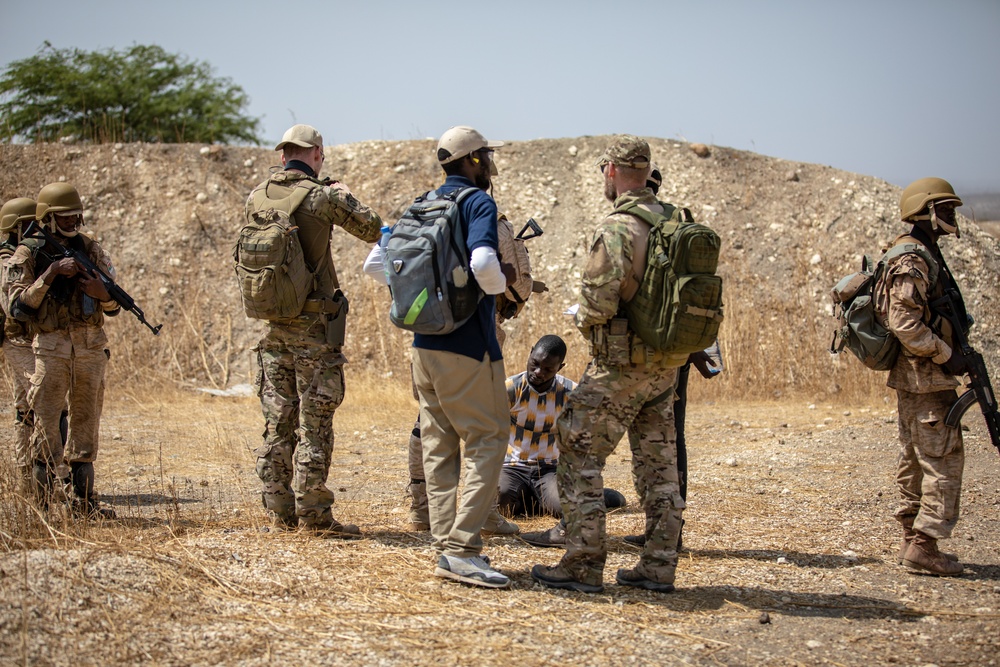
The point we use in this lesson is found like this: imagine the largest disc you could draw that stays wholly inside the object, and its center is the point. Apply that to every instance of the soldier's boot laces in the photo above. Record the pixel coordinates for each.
(922, 557)
(420, 519)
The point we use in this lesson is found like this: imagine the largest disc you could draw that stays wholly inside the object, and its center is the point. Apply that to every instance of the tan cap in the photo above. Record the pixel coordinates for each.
(305, 136)
(461, 140)
(626, 151)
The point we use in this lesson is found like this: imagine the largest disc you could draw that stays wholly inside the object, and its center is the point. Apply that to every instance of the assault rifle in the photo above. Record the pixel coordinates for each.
(531, 226)
(979, 388)
(116, 292)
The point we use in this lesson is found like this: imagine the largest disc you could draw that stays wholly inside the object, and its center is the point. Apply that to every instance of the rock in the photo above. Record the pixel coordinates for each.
(701, 150)
(792, 176)
(765, 618)
(573, 150)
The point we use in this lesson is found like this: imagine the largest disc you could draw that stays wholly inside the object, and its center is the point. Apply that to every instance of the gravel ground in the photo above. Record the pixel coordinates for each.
(790, 559)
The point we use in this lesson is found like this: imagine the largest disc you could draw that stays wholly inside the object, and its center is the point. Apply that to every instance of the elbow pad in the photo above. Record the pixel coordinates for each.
(21, 312)
(486, 268)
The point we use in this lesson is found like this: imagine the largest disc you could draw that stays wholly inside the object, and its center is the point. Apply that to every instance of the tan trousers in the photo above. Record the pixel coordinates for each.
(930, 464)
(22, 362)
(461, 399)
(68, 363)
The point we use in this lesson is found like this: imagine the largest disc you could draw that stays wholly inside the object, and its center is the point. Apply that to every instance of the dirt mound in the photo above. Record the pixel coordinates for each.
(169, 214)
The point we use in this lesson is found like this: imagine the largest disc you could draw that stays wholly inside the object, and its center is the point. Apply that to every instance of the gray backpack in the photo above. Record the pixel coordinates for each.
(859, 327)
(427, 266)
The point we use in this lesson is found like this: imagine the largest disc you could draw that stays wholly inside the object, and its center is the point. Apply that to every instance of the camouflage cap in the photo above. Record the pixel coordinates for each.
(626, 151)
(304, 136)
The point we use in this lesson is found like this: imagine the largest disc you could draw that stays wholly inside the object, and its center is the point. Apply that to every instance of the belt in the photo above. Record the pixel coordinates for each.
(326, 306)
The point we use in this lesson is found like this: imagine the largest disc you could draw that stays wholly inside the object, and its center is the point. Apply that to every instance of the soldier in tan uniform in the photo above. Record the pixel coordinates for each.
(931, 456)
(65, 305)
(300, 379)
(627, 387)
(16, 335)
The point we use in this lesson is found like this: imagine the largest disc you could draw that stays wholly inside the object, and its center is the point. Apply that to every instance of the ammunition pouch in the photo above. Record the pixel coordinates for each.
(615, 344)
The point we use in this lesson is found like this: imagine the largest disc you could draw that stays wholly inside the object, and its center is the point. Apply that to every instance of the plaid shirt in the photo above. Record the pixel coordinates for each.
(533, 419)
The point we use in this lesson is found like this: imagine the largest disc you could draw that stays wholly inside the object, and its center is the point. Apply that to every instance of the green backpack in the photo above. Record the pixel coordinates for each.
(859, 327)
(677, 309)
(270, 265)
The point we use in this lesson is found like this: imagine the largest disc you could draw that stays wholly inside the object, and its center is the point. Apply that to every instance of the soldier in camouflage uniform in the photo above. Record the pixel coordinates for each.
(627, 388)
(300, 379)
(16, 335)
(65, 306)
(932, 455)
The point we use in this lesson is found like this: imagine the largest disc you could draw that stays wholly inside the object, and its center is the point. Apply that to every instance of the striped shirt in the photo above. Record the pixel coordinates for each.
(533, 419)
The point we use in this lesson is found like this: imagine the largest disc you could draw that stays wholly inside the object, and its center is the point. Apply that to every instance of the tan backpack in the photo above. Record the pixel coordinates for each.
(270, 266)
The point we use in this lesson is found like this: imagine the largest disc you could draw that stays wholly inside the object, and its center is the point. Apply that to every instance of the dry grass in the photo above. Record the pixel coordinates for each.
(789, 515)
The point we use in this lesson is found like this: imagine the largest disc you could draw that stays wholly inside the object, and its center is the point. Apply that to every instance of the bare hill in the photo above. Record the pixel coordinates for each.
(169, 214)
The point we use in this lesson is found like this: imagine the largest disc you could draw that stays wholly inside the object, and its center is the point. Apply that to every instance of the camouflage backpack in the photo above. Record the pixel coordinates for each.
(860, 328)
(678, 306)
(270, 266)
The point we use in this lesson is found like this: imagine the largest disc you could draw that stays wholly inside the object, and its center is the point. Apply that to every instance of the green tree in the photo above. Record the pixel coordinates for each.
(140, 94)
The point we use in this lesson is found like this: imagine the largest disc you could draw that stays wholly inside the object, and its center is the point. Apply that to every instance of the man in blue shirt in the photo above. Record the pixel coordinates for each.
(460, 379)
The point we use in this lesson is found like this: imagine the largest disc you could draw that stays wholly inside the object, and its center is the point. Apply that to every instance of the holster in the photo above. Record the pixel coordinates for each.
(336, 322)
(334, 312)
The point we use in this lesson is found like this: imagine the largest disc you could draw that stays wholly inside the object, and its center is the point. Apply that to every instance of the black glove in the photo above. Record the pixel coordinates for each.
(957, 364)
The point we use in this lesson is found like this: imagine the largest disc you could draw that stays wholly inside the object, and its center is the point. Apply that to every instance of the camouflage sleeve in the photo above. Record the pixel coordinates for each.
(606, 268)
(343, 209)
(907, 285)
(20, 282)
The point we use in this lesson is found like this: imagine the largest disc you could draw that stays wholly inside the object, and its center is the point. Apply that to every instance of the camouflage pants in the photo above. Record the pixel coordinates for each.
(931, 459)
(68, 364)
(608, 402)
(22, 362)
(300, 383)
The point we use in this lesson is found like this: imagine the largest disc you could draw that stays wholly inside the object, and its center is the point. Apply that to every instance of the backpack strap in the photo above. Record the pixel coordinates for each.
(288, 205)
(668, 221)
(906, 245)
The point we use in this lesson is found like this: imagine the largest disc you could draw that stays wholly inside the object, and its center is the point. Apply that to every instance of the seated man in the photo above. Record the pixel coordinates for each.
(536, 397)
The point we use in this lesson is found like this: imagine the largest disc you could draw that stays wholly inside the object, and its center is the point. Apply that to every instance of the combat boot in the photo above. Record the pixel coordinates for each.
(908, 532)
(922, 557)
(553, 538)
(330, 527)
(420, 519)
(41, 484)
(85, 502)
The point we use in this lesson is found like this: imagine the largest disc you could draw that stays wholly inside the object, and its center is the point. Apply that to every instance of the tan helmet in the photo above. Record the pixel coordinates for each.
(61, 198)
(920, 197)
(58, 198)
(15, 211)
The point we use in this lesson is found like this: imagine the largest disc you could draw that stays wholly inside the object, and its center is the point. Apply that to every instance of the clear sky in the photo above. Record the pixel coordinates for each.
(897, 89)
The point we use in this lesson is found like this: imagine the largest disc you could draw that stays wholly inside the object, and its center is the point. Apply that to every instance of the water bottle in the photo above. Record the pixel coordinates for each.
(715, 354)
(383, 246)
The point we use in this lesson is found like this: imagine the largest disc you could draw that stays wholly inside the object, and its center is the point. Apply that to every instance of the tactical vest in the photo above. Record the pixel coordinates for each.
(65, 304)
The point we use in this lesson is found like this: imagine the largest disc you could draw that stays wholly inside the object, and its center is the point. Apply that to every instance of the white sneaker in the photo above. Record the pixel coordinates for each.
(475, 570)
